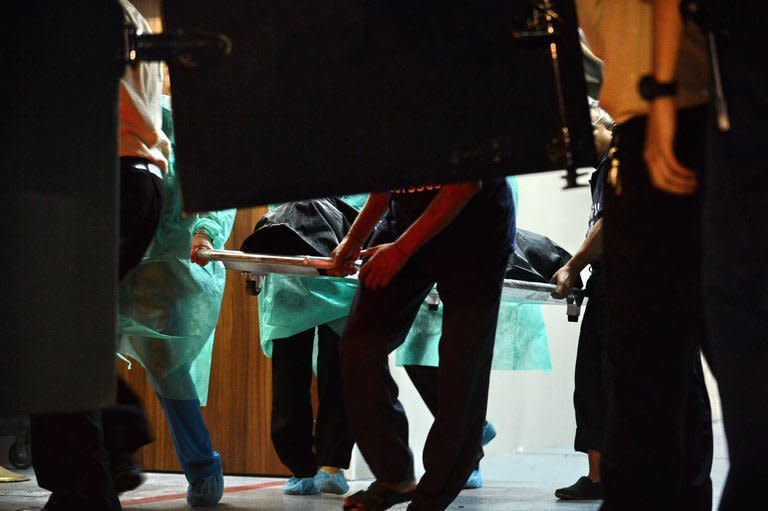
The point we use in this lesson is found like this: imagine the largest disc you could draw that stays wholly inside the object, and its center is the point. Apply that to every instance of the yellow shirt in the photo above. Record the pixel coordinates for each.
(620, 33)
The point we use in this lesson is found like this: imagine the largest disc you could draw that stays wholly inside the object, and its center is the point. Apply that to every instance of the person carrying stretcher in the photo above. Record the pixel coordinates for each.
(459, 237)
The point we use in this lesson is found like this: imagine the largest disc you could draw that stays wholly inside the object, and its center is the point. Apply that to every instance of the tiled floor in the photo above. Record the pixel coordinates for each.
(515, 482)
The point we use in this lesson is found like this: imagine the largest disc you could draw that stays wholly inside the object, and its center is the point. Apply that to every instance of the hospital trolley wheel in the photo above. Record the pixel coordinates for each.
(20, 452)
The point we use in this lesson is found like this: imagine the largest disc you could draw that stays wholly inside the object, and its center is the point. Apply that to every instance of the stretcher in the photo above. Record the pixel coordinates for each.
(256, 266)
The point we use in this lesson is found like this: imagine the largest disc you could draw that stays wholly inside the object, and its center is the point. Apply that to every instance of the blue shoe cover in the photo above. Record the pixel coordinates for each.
(300, 486)
(207, 491)
(474, 481)
(489, 433)
(331, 483)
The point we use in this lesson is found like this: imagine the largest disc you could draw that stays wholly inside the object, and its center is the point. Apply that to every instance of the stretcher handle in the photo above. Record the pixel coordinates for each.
(316, 262)
(577, 293)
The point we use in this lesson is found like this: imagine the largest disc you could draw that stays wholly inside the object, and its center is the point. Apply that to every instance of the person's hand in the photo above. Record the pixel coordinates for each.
(665, 171)
(386, 260)
(564, 279)
(343, 256)
(199, 240)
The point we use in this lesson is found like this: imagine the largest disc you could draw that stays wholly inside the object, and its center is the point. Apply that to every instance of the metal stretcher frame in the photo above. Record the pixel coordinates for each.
(255, 266)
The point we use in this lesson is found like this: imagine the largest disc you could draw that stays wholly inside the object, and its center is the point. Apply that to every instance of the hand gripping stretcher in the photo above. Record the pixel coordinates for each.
(256, 266)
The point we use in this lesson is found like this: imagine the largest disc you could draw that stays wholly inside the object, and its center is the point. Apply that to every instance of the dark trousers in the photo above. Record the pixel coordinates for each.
(735, 248)
(658, 448)
(298, 447)
(426, 379)
(73, 452)
(590, 391)
(470, 289)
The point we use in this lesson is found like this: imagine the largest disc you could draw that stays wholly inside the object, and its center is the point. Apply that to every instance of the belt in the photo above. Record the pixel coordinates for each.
(142, 164)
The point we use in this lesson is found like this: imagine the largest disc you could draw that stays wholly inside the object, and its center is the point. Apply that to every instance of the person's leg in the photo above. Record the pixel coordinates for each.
(333, 439)
(70, 455)
(426, 381)
(652, 267)
(589, 385)
(735, 272)
(141, 201)
(292, 417)
(192, 442)
(593, 461)
(589, 394)
(378, 322)
(471, 297)
(125, 430)
(70, 460)
(125, 424)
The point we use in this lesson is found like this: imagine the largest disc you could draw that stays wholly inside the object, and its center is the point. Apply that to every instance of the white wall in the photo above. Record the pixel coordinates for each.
(530, 409)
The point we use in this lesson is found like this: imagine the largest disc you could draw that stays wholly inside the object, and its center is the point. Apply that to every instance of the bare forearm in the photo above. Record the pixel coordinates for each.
(590, 250)
(667, 28)
(369, 216)
(446, 205)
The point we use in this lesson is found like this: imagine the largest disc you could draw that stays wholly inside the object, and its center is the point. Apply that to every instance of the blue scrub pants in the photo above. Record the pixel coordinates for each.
(188, 431)
(191, 438)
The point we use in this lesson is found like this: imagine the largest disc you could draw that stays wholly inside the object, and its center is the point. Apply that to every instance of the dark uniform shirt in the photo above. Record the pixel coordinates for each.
(487, 220)
(597, 183)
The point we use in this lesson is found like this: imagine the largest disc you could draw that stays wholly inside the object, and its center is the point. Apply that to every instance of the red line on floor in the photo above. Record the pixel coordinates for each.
(175, 496)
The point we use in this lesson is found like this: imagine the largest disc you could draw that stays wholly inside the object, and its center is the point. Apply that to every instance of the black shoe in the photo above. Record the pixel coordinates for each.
(69, 502)
(583, 489)
(126, 475)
